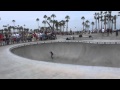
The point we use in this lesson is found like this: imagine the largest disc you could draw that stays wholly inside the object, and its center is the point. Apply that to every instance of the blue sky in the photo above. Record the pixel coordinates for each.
(29, 18)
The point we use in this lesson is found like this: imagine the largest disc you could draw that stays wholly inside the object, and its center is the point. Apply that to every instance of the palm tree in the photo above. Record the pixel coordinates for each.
(13, 24)
(83, 18)
(87, 23)
(101, 18)
(110, 17)
(53, 16)
(63, 24)
(44, 22)
(95, 17)
(112, 23)
(45, 16)
(105, 18)
(49, 19)
(67, 20)
(54, 21)
(60, 24)
(114, 18)
(88, 26)
(92, 23)
(56, 24)
(98, 18)
(38, 22)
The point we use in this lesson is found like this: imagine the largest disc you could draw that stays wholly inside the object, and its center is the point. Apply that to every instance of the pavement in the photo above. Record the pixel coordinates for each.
(99, 60)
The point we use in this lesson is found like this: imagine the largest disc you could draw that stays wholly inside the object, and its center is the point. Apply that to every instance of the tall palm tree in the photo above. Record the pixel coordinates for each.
(45, 16)
(83, 18)
(112, 23)
(13, 24)
(105, 19)
(67, 25)
(48, 18)
(87, 23)
(67, 20)
(88, 26)
(110, 17)
(84, 25)
(56, 24)
(95, 17)
(38, 22)
(114, 18)
(101, 18)
(63, 24)
(92, 23)
(60, 24)
(44, 22)
(54, 21)
(51, 21)
(53, 16)
(98, 18)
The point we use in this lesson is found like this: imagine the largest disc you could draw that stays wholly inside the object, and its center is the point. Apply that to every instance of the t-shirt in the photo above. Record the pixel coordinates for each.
(1, 36)
(102, 30)
(17, 35)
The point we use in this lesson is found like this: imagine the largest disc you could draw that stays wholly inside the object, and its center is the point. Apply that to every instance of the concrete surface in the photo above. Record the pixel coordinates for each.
(73, 53)
(16, 67)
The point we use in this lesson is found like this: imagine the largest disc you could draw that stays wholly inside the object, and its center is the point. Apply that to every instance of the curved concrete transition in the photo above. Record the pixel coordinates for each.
(16, 67)
(73, 53)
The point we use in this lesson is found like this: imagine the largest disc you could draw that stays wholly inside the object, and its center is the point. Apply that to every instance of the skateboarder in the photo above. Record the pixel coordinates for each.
(51, 54)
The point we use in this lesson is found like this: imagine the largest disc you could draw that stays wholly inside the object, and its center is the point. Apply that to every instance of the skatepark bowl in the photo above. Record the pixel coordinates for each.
(76, 53)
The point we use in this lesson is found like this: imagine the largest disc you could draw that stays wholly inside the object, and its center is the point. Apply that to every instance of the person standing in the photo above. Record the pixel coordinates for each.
(116, 33)
(103, 32)
(51, 54)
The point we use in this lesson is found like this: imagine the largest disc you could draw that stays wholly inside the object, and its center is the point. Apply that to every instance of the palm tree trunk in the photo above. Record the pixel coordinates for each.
(92, 27)
(112, 26)
(105, 23)
(67, 26)
(83, 25)
(38, 26)
(53, 23)
(101, 23)
(115, 24)
(98, 25)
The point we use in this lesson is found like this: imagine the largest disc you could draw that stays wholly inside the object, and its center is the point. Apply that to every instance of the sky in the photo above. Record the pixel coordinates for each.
(29, 18)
